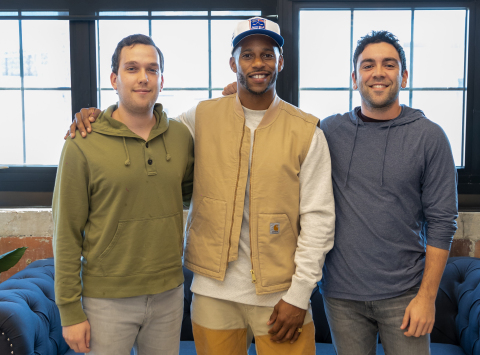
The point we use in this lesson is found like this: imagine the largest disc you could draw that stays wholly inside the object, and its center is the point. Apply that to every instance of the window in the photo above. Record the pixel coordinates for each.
(435, 44)
(196, 57)
(34, 72)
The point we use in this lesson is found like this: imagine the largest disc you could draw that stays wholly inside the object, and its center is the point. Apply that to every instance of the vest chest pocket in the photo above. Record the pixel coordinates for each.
(206, 235)
(276, 249)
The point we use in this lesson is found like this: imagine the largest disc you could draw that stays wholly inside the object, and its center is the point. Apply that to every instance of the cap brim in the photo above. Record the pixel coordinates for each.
(275, 36)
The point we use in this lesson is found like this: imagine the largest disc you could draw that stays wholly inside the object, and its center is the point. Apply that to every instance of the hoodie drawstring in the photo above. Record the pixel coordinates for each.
(127, 162)
(385, 152)
(167, 156)
(351, 155)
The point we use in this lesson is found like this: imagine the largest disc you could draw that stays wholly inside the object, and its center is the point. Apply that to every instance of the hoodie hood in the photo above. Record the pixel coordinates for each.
(407, 115)
(107, 125)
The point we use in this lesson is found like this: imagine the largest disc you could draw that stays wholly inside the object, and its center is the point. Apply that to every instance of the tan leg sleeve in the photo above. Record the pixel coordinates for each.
(219, 342)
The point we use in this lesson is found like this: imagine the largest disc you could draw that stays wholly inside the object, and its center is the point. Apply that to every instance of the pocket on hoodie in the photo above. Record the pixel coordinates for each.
(276, 249)
(143, 246)
(205, 240)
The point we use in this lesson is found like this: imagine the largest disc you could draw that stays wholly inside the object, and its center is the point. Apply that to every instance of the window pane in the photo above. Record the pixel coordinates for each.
(179, 13)
(320, 51)
(44, 13)
(123, 13)
(438, 55)
(222, 31)
(9, 55)
(11, 134)
(216, 93)
(237, 13)
(108, 98)
(46, 53)
(186, 53)
(324, 103)
(176, 102)
(449, 116)
(110, 33)
(44, 145)
(397, 22)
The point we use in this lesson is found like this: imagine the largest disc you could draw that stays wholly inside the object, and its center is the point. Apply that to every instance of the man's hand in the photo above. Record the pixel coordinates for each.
(419, 317)
(78, 337)
(82, 122)
(230, 89)
(287, 319)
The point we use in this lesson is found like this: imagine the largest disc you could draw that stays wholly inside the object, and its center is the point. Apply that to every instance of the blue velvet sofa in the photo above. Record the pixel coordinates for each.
(30, 321)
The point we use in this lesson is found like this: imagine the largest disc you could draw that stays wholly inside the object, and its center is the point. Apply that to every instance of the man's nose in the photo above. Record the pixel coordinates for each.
(379, 70)
(258, 62)
(142, 76)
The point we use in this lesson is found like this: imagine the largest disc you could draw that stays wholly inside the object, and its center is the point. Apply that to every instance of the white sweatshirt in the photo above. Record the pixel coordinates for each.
(317, 222)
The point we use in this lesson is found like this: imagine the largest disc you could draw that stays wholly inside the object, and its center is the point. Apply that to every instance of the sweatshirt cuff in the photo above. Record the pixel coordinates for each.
(72, 313)
(299, 293)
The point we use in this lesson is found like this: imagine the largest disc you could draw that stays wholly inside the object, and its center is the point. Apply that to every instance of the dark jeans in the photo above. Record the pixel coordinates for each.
(356, 324)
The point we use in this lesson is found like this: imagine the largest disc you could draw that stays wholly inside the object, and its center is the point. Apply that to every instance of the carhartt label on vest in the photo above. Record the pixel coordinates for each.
(274, 228)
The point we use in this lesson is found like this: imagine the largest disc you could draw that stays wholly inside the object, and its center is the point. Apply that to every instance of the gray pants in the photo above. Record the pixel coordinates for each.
(150, 324)
(356, 324)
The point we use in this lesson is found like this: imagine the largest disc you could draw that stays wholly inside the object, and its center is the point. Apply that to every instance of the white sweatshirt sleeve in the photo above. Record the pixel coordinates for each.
(317, 221)
(188, 119)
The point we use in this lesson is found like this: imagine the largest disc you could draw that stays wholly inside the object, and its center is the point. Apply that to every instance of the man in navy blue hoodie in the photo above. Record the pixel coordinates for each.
(394, 182)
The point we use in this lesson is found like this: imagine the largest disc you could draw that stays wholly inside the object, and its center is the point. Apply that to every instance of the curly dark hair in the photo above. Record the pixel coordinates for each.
(378, 37)
(130, 41)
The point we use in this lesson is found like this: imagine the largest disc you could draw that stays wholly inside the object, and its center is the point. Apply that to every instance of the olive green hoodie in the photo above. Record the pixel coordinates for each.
(117, 212)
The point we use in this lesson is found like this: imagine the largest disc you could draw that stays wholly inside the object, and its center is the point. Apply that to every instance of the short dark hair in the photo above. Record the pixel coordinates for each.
(131, 41)
(378, 37)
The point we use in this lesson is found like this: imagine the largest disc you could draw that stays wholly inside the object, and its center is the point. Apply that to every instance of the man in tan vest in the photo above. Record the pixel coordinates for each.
(262, 214)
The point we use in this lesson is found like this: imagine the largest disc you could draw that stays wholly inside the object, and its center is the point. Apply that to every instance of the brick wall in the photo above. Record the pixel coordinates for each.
(33, 228)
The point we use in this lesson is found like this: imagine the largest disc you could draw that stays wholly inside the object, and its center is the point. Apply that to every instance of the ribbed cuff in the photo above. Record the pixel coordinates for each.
(72, 313)
(299, 293)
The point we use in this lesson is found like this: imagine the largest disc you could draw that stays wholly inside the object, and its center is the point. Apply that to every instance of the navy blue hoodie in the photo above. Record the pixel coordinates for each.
(395, 192)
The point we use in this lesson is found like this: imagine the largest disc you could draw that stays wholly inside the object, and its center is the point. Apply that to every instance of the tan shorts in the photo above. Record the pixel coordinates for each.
(222, 327)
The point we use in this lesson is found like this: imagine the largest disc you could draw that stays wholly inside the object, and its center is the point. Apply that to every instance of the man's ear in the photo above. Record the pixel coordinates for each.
(233, 64)
(280, 63)
(113, 80)
(404, 79)
(161, 83)
(355, 86)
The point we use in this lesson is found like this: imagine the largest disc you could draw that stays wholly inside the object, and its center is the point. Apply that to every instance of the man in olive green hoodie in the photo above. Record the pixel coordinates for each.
(117, 212)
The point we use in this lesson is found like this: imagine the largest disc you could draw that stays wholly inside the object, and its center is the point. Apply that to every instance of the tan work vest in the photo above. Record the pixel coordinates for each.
(222, 150)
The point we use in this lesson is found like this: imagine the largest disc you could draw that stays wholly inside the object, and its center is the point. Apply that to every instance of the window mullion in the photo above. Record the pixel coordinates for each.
(22, 88)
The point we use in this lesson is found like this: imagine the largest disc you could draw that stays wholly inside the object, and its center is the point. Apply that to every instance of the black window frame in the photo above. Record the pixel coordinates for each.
(21, 180)
(469, 175)
(40, 179)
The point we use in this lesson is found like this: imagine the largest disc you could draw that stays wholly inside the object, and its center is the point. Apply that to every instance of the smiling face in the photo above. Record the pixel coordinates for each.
(139, 80)
(256, 61)
(379, 77)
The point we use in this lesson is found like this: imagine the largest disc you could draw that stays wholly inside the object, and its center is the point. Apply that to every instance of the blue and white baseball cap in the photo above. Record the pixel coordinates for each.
(256, 26)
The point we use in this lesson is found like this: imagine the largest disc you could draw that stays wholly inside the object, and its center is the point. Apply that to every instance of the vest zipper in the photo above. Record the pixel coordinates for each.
(236, 187)
(254, 279)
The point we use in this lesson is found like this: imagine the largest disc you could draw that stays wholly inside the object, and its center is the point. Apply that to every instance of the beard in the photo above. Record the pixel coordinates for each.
(374, 102)
(242, 79)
